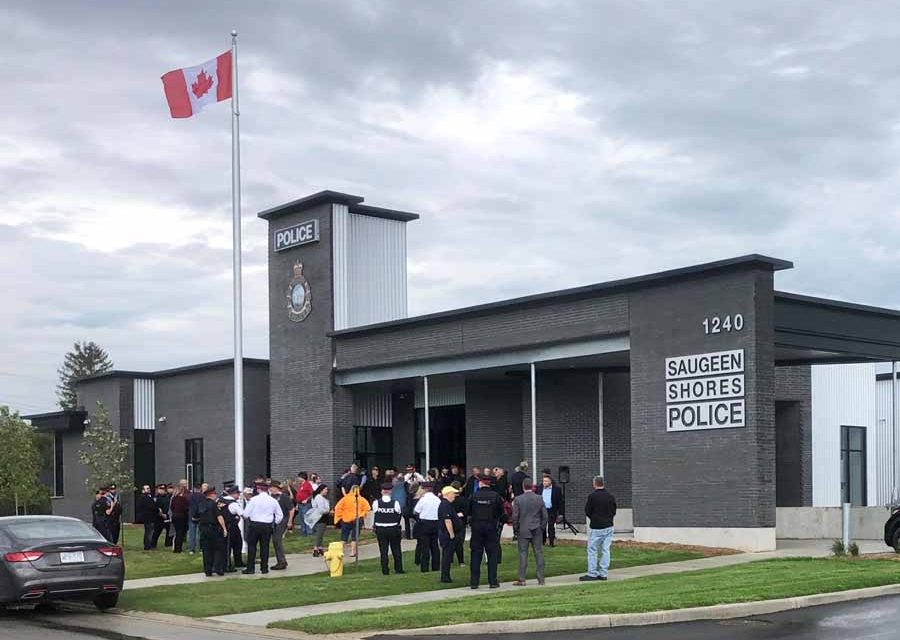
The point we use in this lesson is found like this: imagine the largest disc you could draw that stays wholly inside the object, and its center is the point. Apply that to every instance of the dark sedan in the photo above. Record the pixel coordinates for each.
(49, 558)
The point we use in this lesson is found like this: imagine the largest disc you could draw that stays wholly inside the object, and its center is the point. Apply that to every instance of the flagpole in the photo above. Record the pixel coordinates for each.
(236, 251)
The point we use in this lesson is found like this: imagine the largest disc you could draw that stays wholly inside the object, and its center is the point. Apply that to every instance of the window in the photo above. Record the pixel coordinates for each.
(853, 465)
(193, 460)
(373, 446)
(58, 484)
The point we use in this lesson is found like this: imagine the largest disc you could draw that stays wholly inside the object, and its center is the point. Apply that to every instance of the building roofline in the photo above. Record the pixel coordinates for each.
(191, 368)
(835, 304)
(354, 204)
(53, 414)
(602, 288)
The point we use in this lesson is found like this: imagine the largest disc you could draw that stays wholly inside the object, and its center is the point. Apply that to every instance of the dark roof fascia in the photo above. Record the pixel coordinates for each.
(191, 368)
(886, 376)
(310, 201)
(603, 288)
(380, 212)
(51, 414)
(835, 304)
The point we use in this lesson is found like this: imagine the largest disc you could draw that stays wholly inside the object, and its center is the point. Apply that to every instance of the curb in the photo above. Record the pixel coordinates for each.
(607, 621)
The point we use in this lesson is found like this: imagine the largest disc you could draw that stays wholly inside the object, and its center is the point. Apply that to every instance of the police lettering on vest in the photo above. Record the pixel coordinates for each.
(485, 506)
(387, 514)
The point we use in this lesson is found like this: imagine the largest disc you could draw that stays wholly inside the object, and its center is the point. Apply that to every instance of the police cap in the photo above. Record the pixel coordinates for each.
(387, 486)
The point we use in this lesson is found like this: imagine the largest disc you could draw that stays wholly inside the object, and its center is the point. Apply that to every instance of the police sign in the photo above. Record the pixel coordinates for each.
(296, 235)
(705, 391)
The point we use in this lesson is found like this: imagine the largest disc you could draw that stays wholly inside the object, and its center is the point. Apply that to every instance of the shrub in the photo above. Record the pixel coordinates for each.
(853, 549)
(837, 549)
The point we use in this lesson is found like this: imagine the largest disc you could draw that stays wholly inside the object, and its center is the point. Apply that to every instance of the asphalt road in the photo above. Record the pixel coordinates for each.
(876, 619)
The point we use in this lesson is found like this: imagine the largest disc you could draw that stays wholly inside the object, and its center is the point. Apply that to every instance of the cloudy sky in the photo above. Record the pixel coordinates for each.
(546, 144)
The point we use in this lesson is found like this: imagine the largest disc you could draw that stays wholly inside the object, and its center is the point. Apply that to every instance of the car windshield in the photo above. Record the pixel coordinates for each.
(35, 530)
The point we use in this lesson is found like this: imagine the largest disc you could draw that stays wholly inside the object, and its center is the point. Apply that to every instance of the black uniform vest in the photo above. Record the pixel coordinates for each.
(385, 515)
(484, 507)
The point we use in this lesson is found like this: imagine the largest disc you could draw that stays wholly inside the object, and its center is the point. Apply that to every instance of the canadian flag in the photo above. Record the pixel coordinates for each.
(190, 89)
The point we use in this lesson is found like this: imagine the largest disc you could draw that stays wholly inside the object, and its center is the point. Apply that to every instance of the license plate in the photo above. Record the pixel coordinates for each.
(68, 557)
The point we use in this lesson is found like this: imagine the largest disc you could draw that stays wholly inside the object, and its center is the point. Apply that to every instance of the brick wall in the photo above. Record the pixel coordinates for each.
(617, 436)
(719, 477)
(568, 430)
(794, 384)
(200, 404)
(519, 328)
(311, 418)
(494, 423)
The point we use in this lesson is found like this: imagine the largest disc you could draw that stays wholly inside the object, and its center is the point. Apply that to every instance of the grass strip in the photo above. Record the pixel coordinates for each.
(241, 596)
(762, 580)
(163, 562)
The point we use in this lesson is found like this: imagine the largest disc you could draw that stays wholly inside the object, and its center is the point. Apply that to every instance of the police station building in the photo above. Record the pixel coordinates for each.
(695, 392)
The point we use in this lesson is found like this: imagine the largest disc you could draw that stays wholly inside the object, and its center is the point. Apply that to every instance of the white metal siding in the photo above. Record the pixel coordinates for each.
(371, 408)
(841, 395)
(369, 257)
(340, 243)
(441, 392)
(881, 462)
(144, 404)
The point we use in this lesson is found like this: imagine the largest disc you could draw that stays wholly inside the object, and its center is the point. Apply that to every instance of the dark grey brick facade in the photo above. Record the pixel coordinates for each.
(494, 423)
(200, 404)
(568, 430)
(617, 436)
(794, 385)
(722, 477)
(311, 417)
(517, 328)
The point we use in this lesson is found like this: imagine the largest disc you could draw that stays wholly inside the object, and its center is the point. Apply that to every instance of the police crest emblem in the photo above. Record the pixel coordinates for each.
(299, 295)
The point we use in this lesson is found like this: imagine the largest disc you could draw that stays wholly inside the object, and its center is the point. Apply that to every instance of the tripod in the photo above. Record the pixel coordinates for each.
(566, 525)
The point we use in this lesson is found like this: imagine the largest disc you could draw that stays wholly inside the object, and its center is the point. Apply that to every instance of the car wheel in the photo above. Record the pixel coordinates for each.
(106, 601)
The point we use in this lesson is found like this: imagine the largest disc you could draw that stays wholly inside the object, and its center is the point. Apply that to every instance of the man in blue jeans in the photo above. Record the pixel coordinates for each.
(194, 500)
(600, 510)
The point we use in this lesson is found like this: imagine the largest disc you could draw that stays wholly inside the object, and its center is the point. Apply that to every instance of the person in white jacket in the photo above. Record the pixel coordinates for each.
(315, 518)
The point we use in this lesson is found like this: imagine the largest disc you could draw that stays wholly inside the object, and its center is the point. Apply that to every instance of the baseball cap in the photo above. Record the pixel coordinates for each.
(448, 490)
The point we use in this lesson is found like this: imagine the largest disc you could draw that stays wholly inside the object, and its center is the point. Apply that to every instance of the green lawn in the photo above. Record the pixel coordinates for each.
(763, 580)
(238, 596)
(163, 562)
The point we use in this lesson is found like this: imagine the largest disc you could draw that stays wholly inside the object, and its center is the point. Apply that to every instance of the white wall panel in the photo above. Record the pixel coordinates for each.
(881, 466)
(340, 234)
(144, 404)
(841, 395)
(442, 392)
(372, 408)
(369, 256)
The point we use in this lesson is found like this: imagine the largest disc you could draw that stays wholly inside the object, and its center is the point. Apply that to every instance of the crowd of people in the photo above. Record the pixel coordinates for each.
(436, 509)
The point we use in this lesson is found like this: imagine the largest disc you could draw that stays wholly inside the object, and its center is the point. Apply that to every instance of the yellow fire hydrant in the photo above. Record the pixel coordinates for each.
(335, 559)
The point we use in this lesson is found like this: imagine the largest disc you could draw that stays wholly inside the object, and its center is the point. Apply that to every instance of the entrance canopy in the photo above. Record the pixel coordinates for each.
(589, 327)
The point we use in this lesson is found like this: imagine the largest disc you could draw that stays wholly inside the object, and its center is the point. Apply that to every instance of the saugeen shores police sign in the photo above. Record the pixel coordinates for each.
(297, 234)
(705, 391)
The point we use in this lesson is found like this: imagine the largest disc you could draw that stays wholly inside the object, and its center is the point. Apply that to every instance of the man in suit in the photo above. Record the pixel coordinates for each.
(551, 495)
(529, 520)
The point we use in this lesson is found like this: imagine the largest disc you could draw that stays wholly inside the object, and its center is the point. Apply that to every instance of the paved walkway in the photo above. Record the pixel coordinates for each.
(787, 549)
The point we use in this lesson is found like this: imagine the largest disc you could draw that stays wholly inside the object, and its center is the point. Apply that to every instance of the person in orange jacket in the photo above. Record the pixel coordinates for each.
(349, 512)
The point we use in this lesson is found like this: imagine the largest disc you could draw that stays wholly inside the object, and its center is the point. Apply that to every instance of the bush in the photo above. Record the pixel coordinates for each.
(853, 550)
(837, 549)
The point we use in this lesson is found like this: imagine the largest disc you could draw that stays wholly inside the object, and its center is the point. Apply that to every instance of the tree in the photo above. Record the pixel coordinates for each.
(21, 463)
(85, 359)
(104, 453)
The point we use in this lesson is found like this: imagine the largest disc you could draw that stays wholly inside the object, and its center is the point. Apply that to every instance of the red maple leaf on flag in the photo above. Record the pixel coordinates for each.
(202, 84)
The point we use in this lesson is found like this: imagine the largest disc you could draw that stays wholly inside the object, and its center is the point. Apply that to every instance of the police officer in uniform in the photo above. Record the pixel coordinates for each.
(212, 532)
(232, 515)
(388, 514)
(115, 514)
(100, 512)
(485, 514)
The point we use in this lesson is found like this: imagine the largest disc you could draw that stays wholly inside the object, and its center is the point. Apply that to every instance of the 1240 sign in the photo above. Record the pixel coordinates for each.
(726, 324)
